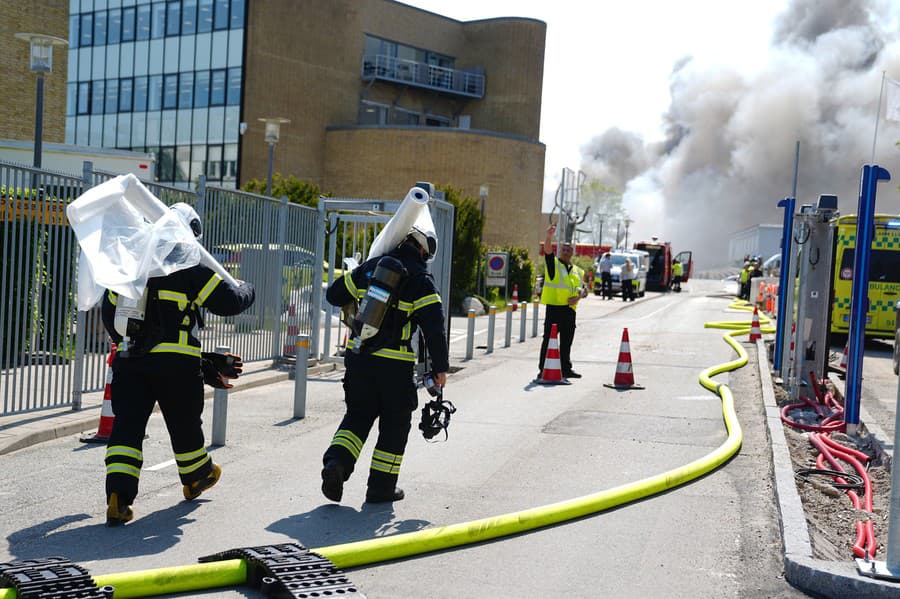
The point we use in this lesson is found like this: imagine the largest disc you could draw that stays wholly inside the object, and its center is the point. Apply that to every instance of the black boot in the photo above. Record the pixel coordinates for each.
(384, 495)
(333, 480)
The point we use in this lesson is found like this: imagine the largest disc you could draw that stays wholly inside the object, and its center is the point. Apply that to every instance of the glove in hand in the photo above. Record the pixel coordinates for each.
(228, 365)
(213, 377)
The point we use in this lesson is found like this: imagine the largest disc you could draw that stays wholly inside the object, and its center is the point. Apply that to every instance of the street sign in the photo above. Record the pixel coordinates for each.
(496, 269)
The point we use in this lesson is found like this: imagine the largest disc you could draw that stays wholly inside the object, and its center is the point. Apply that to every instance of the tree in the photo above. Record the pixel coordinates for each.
(467, 246)
(298, 191)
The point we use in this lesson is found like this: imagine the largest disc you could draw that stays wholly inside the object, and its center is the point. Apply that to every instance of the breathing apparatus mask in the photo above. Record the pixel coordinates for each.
(436, 413)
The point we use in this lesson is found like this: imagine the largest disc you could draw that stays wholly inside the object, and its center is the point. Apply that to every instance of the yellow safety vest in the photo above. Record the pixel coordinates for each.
(558, 290)
(677, 269)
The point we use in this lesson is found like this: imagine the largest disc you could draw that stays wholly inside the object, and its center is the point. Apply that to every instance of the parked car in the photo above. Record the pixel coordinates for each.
(641, 261)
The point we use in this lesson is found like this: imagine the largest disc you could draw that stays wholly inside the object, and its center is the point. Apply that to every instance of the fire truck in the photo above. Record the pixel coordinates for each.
(659, 275)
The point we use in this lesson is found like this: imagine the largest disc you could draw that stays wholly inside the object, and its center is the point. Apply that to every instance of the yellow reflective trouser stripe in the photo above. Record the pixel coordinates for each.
(174, 296)
(386, 462)
(191, 455)
(192, 467)
(123, 469)
(211, 284)
(420, 303)
(349, 441)
(124, 450)
(113, 297)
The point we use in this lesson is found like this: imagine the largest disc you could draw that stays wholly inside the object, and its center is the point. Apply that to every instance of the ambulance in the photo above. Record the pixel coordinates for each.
(884, 276)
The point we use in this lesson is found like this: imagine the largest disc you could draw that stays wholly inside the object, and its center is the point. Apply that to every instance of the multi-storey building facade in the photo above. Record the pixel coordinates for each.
(379, 94)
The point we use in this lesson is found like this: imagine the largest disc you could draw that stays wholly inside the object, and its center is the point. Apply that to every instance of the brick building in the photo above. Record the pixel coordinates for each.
(379, 95)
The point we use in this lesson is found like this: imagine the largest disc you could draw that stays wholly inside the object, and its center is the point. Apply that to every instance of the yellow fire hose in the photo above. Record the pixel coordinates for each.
(166, 581)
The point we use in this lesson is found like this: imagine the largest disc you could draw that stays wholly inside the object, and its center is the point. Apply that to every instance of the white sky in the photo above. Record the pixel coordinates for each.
(607, 62)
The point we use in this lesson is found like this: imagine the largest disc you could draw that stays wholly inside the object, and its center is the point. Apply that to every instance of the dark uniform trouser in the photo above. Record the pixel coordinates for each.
(174, 381)
(564, 319)
(606, 284)
(375, 388)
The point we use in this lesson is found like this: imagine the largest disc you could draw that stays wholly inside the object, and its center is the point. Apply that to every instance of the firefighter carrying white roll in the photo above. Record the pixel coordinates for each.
(411, 208)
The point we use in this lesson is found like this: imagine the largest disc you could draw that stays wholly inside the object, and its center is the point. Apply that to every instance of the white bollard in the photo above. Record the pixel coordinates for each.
(470, 334)
(302, 354)
(492, 321)
(523, 307)
(534, 319)
(508, 336)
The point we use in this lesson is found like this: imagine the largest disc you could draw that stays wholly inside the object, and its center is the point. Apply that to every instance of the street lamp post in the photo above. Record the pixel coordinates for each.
(41, 61)
(273, 134)
(483, 193)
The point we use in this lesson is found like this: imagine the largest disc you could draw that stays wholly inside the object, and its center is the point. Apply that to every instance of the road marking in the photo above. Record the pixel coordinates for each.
(162, 465)
(464, 335)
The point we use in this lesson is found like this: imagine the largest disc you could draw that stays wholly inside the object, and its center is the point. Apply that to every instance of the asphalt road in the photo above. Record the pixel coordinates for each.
(513, 445)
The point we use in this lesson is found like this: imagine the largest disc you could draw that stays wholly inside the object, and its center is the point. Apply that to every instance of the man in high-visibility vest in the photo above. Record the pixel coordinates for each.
(677, 273)
(744, 280)
(563, 288)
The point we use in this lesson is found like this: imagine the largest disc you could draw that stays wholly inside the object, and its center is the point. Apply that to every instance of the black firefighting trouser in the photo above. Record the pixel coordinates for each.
(175, 382)
(375, 388)
(564, 319)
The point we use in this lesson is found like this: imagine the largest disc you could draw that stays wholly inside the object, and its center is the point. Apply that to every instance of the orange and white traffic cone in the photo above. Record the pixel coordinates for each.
(624, 378)
(552, 373)
(842, 368)
(104, 429)
(515, 298)
(755, 333)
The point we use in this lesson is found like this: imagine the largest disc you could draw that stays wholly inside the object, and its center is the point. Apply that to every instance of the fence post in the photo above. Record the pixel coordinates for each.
(492, 320)
(508, 335)
(470, 334)
(277, 343)
(300, 369)
(200, 202)
(220, 407)
(534, 320)
(524, 307)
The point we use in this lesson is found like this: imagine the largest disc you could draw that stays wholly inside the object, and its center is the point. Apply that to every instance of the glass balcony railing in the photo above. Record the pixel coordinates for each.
(420, 74)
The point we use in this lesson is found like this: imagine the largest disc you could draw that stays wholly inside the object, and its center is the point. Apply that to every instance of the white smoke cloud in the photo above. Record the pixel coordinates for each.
(728, 155)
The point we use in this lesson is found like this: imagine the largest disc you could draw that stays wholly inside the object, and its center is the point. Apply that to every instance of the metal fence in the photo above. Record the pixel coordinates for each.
(50, 353)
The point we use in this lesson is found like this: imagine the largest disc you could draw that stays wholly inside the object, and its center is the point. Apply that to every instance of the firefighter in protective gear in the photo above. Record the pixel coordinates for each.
(379, 380)
(563, 288)
(164, 366)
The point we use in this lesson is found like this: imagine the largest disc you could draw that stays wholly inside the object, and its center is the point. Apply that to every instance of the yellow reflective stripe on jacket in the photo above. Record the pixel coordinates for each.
(426, 300)
(176, 348)
(351, 286)
(207, 289)
(402, 354)
(174, 296)
(113, 297)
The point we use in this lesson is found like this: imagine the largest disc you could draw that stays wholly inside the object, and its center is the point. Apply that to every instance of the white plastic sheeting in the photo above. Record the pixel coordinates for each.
(128, 235)
(398, 227)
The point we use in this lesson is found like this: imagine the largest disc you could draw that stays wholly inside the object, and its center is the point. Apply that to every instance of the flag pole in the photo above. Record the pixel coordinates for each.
(877, 116)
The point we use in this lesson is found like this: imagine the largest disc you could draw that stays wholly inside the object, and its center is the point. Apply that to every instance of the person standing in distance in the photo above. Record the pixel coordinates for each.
(563, 288)
(379, 378)
(627, 277)
(604, 267)
(160, 363)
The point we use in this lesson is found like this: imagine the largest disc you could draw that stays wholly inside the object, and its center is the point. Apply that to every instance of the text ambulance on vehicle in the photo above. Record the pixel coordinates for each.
(884, 276)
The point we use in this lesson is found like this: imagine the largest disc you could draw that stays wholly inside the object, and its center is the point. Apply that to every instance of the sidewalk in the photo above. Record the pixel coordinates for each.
(18, 431)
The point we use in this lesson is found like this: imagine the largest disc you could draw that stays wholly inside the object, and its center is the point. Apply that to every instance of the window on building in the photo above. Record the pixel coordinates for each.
(84, 97)
(434, 120)
(143, 22)
(189, 17)
(73, 31)
(114, 29)
(154, 99)
(186, 90)
(173, 18)
(217, 88)
(71, 98)
(112, 96)
(98, 97)
(100, 28)
(198, 161)
(165, 164)
(229, 162)
(182, 164)
(128, 24)
(126, 94)
(158, 29)
(237, 14)
(204, 16)
(170, 91)
(140, 94)
(371, 113)
(401, 116)
(214, 163)
(87, 30)
(201, 89)
(222, 16)
(234, 87)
